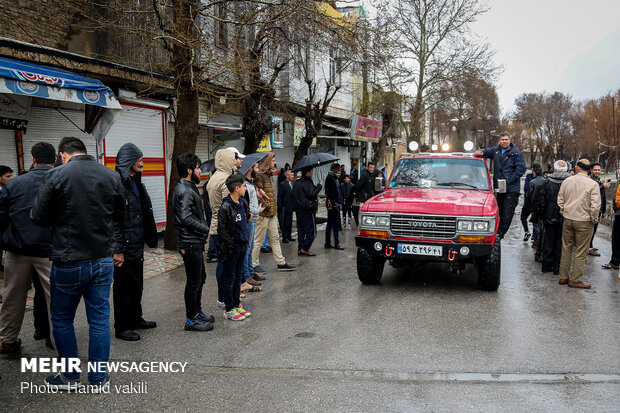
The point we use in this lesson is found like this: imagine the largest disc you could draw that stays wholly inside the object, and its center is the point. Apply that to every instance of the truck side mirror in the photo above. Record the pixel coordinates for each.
(379, 187)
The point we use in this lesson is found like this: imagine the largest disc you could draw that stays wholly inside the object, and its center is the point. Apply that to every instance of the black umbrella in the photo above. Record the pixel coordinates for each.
(250, 160)
(208, 166)
(314, 160)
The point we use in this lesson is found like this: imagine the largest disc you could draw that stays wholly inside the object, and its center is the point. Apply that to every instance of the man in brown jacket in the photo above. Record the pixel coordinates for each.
(579, 200)
(267, 221)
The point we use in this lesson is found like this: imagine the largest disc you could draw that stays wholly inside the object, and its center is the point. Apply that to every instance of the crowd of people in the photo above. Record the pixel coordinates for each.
(564, 207)
(72, 242)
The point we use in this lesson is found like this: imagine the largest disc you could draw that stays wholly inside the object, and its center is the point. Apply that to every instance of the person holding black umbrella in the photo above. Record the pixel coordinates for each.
(305, 204)
(333, 202)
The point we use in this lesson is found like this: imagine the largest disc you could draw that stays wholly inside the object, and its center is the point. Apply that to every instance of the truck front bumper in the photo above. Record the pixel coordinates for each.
(388, 248)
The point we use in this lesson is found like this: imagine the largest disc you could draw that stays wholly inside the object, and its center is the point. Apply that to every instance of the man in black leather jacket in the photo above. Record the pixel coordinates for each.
(305, 204)
(138, 228)
(81, 201)
(192, 231)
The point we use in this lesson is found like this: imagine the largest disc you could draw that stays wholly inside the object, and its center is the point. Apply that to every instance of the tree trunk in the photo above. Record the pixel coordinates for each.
(186, 126)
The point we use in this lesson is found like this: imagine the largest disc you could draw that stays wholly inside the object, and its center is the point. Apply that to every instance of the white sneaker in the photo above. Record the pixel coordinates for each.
(220, 304)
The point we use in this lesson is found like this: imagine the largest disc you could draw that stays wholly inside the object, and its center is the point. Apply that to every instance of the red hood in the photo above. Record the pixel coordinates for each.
(437, 201)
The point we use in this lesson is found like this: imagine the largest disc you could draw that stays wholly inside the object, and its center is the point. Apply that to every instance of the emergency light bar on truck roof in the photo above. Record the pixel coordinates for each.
(468, 154)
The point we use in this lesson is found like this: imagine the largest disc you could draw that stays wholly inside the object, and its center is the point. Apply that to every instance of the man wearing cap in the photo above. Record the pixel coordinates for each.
(579, 200)
(138, 228)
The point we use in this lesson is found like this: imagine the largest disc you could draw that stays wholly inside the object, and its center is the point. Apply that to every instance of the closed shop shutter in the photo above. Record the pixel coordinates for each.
(8, 153)
(144, 127)
(47, 125)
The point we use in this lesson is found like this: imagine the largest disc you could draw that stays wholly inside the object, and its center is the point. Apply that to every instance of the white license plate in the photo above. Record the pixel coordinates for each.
(431, 250)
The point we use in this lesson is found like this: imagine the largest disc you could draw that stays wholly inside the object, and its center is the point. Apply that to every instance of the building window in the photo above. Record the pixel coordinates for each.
(335, 68)
(221, 28)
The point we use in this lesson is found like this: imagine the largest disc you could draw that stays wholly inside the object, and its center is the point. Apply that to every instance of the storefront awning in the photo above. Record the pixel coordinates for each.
(29, 79)
(229, 127)
(336, 127)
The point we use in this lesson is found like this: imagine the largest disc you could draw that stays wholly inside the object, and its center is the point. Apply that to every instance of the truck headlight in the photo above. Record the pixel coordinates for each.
(375, 221)
(481, 226)
(465, 225)
(369, 220)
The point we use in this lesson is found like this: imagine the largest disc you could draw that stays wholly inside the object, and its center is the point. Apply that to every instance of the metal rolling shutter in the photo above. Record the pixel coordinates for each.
(47, 125)
(143, 127)
(8, 153)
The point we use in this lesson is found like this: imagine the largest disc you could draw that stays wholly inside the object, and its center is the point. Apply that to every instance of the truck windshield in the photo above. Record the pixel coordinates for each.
(461, 173)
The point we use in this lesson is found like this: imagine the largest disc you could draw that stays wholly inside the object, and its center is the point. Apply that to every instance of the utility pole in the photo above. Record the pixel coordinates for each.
(614, 129)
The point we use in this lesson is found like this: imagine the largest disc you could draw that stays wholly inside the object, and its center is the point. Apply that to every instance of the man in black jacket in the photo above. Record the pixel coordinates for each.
(305, 204)
(595, 173)
(333, 201)
(192, 231)
(509, 166)
(27, 246)
(549, 214)
(285, 204)
(365, 185)
(138, 228)
(83, 202)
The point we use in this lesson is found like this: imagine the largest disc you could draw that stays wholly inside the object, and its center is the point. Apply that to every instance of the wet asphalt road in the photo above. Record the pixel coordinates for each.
(319, 340)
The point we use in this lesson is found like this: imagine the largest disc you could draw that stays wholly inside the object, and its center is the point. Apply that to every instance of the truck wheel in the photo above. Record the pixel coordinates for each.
(369, 267)
(490, 268)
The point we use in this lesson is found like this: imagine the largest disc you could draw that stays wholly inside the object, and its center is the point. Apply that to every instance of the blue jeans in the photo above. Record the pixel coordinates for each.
(231, 279)
(69, 282)
(247, 268)
(266, 243)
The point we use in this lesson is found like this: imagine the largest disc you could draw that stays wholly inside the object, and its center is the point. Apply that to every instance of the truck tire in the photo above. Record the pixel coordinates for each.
(490, 268)
(369, 267)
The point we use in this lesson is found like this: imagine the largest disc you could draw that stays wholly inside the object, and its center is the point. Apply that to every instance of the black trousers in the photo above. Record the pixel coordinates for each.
(39, 312)
(507, 204)
(127, 287)
(525, 213)
(333, 225)
(552, 248)
(231, 278)
(346, 211)
(193, 260)
(306, 229)
(615, 242)
(356, 214)
(286, 225)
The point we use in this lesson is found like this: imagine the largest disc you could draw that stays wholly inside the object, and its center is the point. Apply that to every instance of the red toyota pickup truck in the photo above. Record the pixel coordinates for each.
(435, 207)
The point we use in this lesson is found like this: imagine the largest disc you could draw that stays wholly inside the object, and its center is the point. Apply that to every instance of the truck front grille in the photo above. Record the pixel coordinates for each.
(423, 226)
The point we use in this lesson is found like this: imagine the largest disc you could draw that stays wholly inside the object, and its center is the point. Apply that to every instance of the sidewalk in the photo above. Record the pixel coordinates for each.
(157, 261)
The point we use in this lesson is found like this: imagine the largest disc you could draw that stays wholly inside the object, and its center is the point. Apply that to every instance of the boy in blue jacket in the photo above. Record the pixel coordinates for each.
(232, 228)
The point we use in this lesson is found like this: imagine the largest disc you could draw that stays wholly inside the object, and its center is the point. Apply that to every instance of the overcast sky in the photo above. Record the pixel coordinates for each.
(571, 46)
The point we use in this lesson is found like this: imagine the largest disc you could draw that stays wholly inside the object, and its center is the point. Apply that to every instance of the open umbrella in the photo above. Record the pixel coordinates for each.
(315, 160)
(208, 166)
(250, 160)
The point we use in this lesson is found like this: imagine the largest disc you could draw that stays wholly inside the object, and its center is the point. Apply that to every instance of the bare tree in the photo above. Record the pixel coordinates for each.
(435, 42)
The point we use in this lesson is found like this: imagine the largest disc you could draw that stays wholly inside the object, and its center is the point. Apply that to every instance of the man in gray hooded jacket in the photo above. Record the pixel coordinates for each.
(138, 227)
